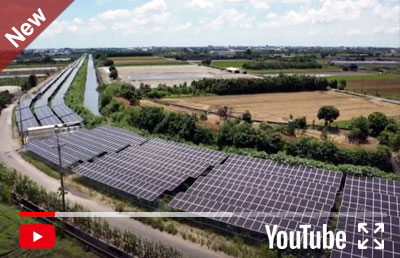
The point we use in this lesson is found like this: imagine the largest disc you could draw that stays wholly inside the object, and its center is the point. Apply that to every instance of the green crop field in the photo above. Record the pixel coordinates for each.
(9, 243)
(144, 61)
(239, 64)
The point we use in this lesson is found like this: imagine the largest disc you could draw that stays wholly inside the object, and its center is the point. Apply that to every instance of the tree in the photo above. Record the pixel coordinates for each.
(246, 116)
(377, 122)
(342, 84)
(114, 74)
(359, 130)
(206, 61)
(353, 67)
(333, 84)
(223, 112)
(112, 68)
(108, 62)
(328, 113)
(32, 80)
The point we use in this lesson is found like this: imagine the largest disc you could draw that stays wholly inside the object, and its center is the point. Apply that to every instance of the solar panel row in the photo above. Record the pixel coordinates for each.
(43, 112)
(49, 91)
(286, 195)
(52, 120)
(77, 148)
(149, 170)
(370, 201)
(26, 124)
(23, 114)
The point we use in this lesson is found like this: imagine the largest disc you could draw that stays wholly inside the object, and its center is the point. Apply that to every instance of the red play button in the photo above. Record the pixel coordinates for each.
(36, 236)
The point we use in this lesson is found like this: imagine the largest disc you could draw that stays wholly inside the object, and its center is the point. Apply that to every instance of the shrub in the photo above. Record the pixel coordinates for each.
(246, 116)
(377, 122)
(359, 130)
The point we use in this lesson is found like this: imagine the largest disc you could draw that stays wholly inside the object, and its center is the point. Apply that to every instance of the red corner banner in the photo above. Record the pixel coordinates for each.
(21, 21)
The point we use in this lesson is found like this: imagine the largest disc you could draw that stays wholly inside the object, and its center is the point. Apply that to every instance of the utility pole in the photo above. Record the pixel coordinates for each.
(21, 125)
(60, 169)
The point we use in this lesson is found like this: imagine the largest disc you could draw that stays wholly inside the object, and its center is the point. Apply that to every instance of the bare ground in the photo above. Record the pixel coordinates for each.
(170, 75)
(277, 107)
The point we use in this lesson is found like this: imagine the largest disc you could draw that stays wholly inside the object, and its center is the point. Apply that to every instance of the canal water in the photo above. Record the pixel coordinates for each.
(91, 101)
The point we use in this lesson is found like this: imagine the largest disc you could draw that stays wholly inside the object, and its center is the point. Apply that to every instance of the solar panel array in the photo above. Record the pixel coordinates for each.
(63, 111)
(246, 184)
(149, 170)
(370, 201)
(24, 115)
(83, 145)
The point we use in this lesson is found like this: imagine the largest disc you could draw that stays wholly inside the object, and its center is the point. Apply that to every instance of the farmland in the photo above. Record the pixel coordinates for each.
(144, 61)
(168, 74)
(239, 64)
(387, 86)
(278, 107)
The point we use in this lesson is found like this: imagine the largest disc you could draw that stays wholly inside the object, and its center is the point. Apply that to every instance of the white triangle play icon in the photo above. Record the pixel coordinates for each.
(36, 236)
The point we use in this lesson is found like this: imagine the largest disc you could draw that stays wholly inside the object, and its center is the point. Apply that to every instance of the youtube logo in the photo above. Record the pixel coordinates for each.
(36, 236)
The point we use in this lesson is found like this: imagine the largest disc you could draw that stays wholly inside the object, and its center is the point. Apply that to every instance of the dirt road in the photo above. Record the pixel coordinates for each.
(9, 157)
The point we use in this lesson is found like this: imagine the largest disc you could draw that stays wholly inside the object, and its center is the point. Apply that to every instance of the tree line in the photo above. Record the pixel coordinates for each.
(264, 65)
(266, 85)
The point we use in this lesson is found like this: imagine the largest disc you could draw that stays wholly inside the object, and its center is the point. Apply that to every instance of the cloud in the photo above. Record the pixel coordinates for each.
(353, 32)
(113, 15)
(183, 27)
(201, 4)
(75, 26)
(330, 11)
(152, 15)
(231, 18)
(387, 13)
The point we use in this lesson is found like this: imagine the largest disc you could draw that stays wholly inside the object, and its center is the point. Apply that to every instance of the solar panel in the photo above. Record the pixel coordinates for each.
(80, 146)
(72, 119)
(255, 185)
(52, 120)
(244, 163)
(374, 184)
(26, 124)
(23, 114)
(26, 103)
(43, 112)
(157, 166)
(370, 201)
(62, 110)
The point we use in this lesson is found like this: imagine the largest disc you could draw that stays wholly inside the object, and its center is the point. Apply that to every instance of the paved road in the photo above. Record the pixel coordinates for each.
(10, 157)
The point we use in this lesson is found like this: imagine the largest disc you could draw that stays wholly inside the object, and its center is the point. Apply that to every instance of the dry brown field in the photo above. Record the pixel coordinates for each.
(383, 87)
(277, 107)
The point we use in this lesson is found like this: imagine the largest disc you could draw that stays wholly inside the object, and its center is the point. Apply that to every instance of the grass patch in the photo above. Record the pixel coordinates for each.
(40, 165)
(365, 78)
(239, 64)
(13, 66)
(341, 124)
(144, 61)
(9, 243)
(14, 81)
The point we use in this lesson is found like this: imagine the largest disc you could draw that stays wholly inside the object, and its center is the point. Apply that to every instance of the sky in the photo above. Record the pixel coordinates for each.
(141, 23)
